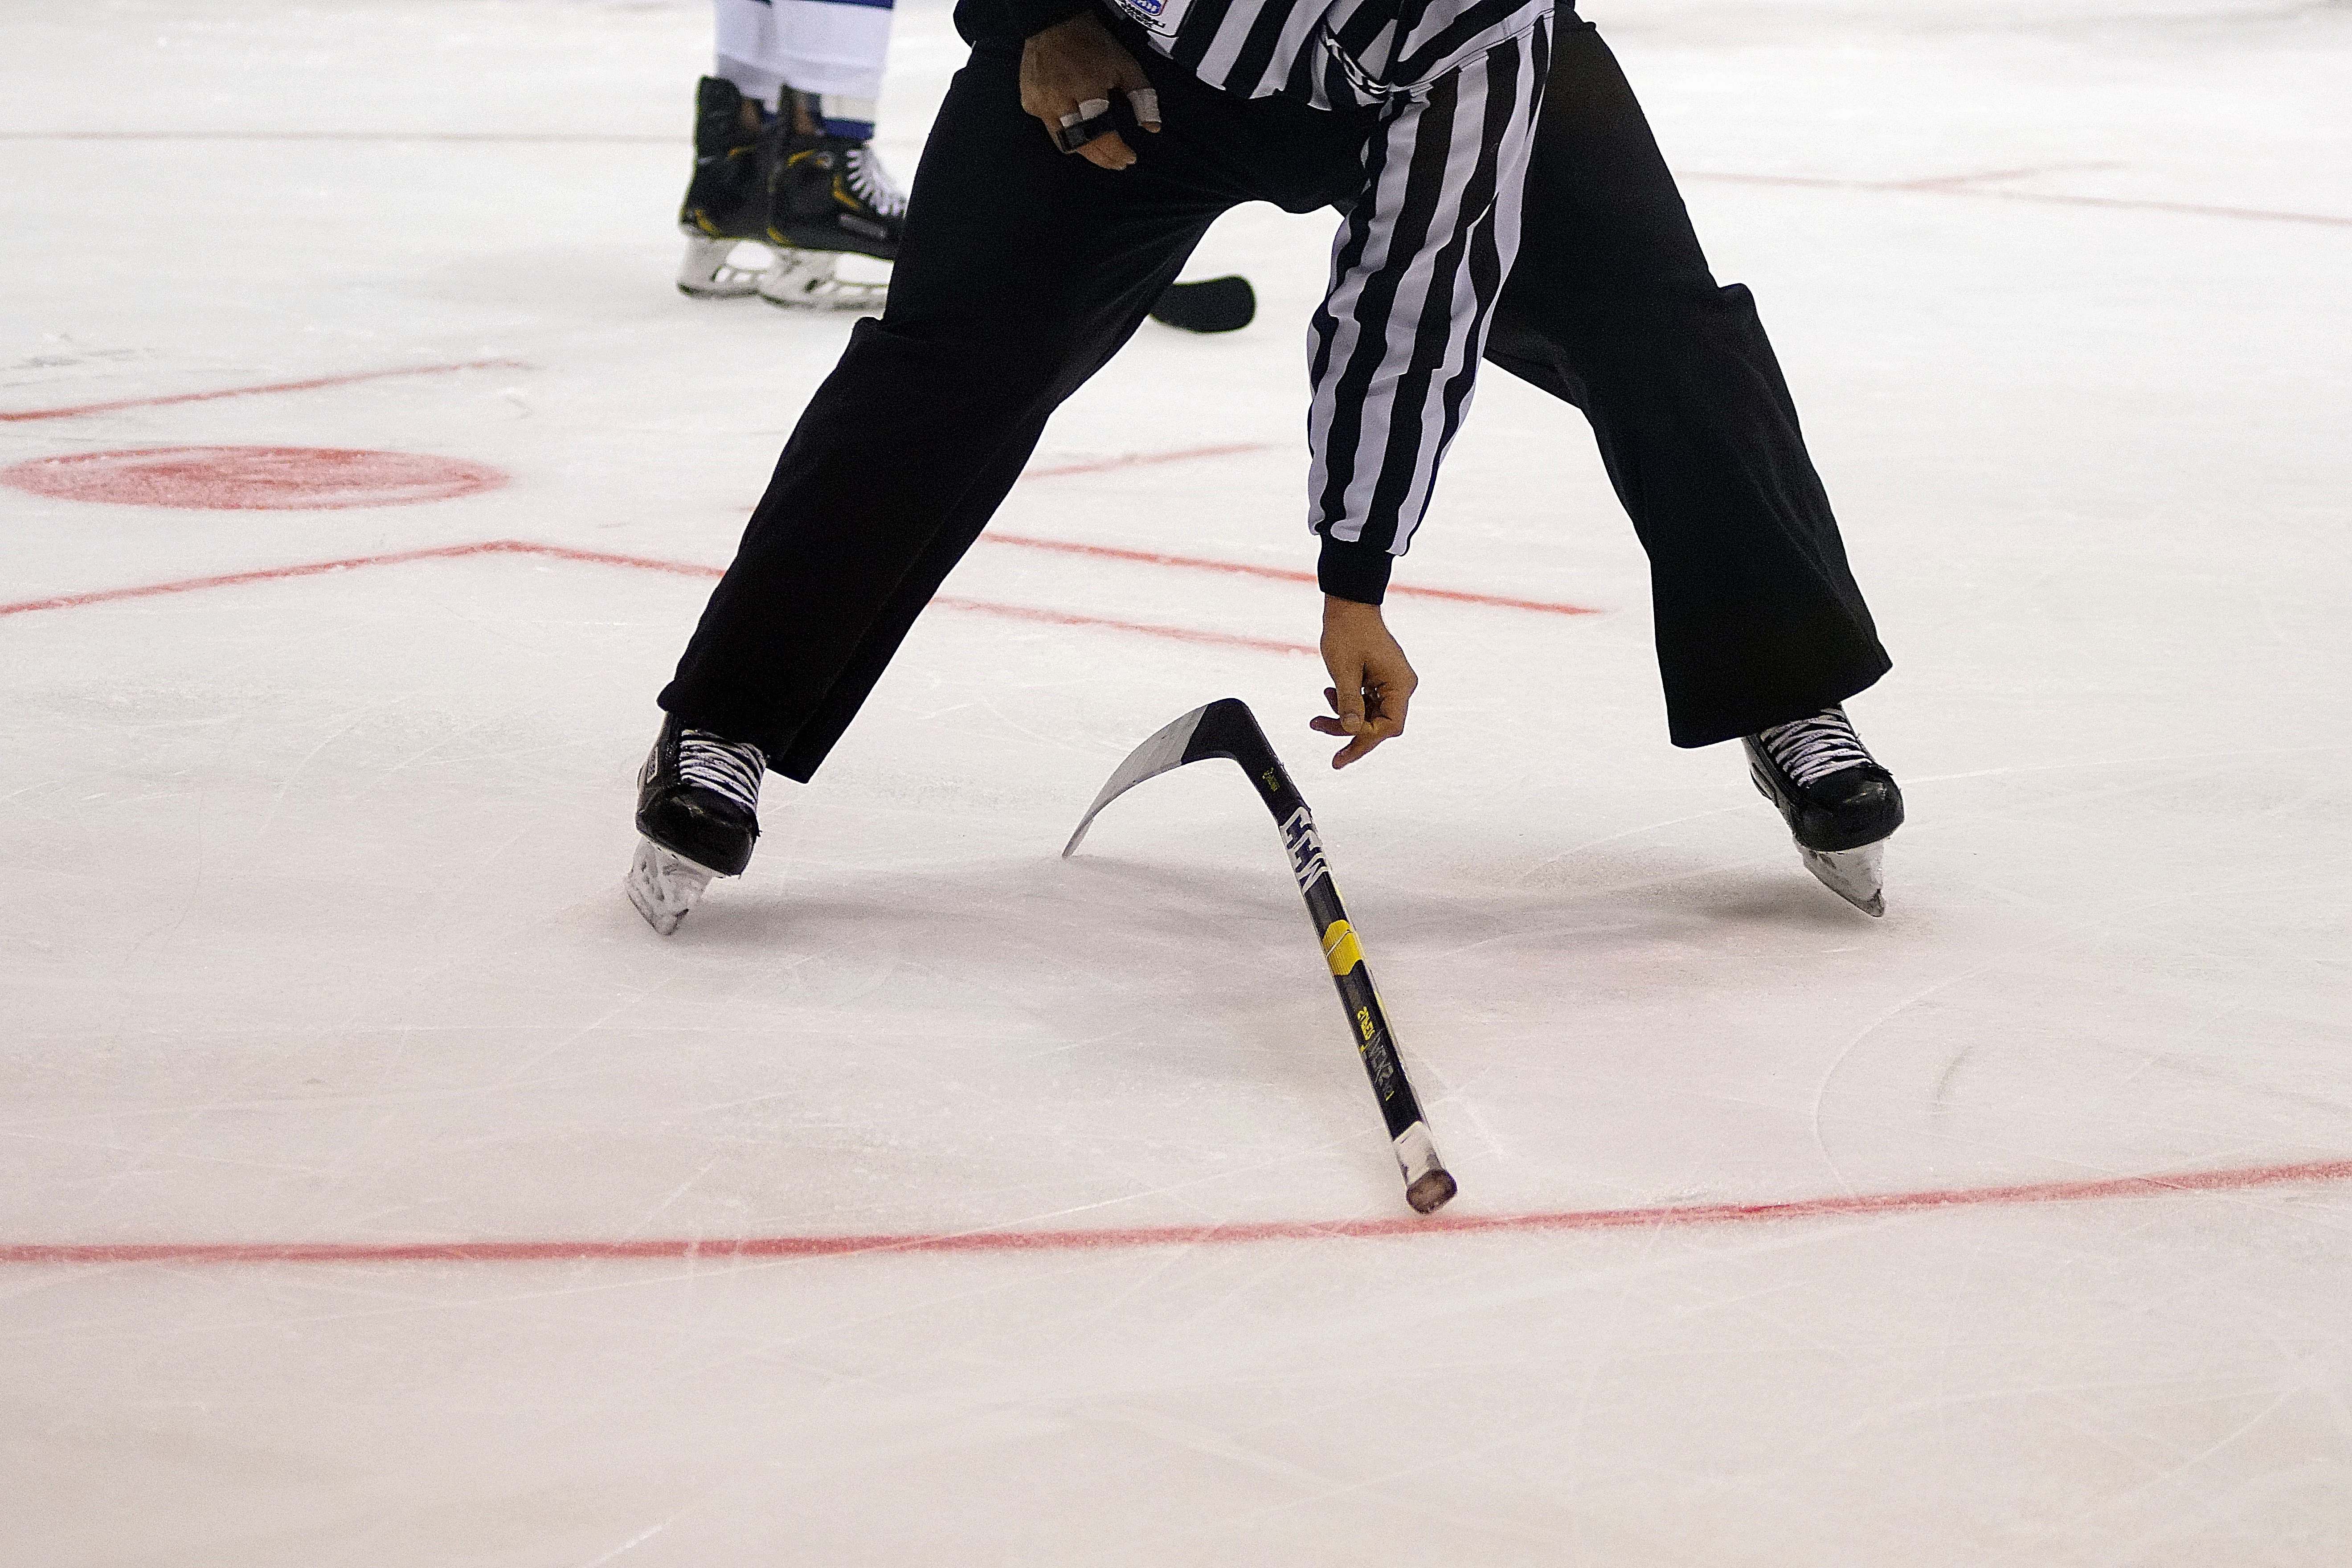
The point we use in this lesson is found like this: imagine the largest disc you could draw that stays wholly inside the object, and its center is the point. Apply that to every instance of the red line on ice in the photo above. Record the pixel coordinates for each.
(1235, 568)
(2194, 209)
(1278, 574)
(1173, 633)
(1672, 1215)
(265, 575)
(1089, 466)
(1145, 459)
(312, 384)
(695, 569)
(639, 563)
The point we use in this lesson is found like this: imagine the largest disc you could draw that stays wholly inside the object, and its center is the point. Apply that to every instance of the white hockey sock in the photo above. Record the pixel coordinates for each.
(835, 49)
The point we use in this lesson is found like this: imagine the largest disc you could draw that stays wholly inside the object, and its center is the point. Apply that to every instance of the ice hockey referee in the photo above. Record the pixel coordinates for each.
(1077, 159)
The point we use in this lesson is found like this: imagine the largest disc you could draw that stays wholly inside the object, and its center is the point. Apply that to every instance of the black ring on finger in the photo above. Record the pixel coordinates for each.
(1091, 122)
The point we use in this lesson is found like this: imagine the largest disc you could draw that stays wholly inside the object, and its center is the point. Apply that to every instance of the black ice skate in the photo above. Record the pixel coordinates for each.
(727, 200)
(698, 808)
(828, 197)
(1840, 805)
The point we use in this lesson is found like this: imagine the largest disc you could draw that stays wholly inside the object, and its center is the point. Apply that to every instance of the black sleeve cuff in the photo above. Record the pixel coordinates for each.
(1031, 17)
(1357, 570)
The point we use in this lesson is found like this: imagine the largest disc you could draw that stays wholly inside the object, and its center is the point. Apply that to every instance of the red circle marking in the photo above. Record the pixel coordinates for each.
(253, 478)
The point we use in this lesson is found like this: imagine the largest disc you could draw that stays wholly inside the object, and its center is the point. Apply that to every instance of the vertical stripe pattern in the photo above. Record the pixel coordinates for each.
(1393, 351)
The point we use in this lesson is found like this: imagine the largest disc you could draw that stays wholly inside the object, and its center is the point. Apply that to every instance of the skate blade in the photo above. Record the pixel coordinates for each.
(809, 280)
(664, 884)
(707, 273)
(1854, 875)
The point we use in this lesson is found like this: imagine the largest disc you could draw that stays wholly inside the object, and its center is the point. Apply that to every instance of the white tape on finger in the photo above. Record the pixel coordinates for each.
(1145, 101)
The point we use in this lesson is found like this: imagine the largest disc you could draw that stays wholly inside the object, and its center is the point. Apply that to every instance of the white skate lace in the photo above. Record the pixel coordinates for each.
(730, 769)
(1809, 748)
(870, 183)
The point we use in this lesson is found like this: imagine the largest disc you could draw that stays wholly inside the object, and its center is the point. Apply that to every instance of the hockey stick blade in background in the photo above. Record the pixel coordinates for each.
(1211, 305)
(1228, 729)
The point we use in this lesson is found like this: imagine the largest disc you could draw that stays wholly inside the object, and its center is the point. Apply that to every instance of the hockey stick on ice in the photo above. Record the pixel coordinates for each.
(1228, 729)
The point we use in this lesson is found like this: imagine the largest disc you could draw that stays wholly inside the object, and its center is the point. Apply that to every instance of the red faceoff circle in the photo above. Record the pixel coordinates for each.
(253, 478)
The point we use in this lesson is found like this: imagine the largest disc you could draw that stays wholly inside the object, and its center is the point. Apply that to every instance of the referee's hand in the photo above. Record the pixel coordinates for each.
(1371, 684)
(1067, 75)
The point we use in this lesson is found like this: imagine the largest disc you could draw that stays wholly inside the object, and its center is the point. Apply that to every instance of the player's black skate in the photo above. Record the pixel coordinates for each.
(727, 200)
(699, 809)
(1840, 805)
(827, 196)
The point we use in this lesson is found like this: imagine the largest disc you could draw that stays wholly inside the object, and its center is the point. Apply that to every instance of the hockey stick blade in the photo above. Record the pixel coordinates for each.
(1211, 305)
(1227, 729)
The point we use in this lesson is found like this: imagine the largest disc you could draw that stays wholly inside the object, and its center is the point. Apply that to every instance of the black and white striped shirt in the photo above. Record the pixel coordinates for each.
(1394, 349)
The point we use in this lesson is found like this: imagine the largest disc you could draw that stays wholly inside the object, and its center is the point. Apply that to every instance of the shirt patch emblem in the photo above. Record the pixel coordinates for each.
(1152, 14)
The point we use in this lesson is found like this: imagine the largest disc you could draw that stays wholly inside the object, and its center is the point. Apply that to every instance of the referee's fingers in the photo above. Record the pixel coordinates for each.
(1108, 150)
(1141, 96)
(1104, 148)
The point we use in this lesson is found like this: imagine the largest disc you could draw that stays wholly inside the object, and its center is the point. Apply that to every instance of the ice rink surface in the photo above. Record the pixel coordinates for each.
(2015, 1230)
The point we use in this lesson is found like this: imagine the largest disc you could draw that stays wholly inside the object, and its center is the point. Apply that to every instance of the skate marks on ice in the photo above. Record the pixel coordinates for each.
(1981, 183)
(1993, 185)
(900, 925)
(1772, 894)
(1652, 931)
(1244, 1036)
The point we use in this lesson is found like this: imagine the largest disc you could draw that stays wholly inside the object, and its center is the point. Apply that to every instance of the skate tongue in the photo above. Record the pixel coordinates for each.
(1854, 875)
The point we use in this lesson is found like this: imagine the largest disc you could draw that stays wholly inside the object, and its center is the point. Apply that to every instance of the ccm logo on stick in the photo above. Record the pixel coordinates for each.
(1306, 850)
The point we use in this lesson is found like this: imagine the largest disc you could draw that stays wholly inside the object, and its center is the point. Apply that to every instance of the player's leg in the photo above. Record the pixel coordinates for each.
(810, 71)
(833, 53)
(726, 200)
(1761, 630)
(1023, 270)
(749, 48)
(829, 194)
(783, 153)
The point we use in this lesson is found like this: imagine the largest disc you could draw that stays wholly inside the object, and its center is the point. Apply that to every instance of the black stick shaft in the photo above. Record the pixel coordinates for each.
(1428, 1185)
(1367, 1021)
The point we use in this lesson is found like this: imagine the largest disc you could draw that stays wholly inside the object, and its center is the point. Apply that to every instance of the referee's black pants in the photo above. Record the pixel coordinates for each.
(1612, 307)
(1025, 270)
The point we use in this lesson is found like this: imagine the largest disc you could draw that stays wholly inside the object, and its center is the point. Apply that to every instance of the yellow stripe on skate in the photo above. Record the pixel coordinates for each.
(1341, 950)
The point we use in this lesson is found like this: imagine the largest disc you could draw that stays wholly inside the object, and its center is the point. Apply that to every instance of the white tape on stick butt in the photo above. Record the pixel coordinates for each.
(1427, 1183)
